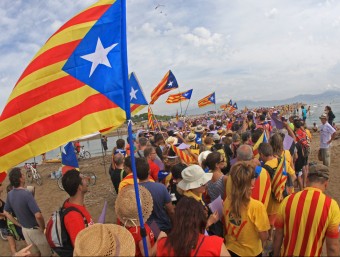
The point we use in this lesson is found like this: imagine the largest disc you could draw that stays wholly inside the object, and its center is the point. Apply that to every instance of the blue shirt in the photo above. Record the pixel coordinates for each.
(22, 203)
(160, 197)
(304, 113)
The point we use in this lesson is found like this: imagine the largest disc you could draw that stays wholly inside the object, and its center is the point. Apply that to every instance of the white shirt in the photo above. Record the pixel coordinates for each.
(326, 132)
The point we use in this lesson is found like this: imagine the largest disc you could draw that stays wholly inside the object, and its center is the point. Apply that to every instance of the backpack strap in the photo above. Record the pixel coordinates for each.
(270, 170)
(121, 174)
(67, 210)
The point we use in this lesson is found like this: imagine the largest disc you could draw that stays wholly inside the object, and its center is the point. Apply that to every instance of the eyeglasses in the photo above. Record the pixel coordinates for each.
(223, 160)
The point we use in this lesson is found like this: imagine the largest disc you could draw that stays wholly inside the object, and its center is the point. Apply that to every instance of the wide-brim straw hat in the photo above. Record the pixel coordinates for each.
(191, 137)
(172, 140)
(104, 240)
(199, 129)
(323, 116)
(126, 206)
(193, 177)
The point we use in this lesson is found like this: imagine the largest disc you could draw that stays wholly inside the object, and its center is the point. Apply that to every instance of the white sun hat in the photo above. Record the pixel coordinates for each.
(194, 177)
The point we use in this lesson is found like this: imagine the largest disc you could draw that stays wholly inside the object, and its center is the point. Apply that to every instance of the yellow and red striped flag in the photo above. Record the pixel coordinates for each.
(223, 106)
(185, 157)
(168, 83)
(209, 99)
(66, 92)
(279, 180)
(176, 98)
(150, 119)
(262, 139)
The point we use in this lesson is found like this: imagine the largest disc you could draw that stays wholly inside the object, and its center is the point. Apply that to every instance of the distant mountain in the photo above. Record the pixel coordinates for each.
(325, 97)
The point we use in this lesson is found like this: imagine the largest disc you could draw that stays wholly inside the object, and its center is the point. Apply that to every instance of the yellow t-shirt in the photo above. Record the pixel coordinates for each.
(194, 148)
(242, 236)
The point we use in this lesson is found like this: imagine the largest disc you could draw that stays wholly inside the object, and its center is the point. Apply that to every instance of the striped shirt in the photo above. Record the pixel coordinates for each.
(216, 189)
(307, 217)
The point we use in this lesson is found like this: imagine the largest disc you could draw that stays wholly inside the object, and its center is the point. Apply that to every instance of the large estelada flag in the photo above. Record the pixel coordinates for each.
(176, 98)
(137, 98)
(209, 99)
(74, 86)
(168, 83)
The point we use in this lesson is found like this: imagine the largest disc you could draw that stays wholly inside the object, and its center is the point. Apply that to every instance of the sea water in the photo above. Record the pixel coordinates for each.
(316, 109)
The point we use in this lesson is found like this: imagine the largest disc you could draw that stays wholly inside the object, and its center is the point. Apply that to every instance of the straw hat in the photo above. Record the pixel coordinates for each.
(191, 137)
(104, 240)
(323, 116)
(172, 140)
(199, 129)
(194, 177)
(126, 206)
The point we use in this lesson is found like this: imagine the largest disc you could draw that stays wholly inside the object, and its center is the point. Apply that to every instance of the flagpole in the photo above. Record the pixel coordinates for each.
(187, 108)
(127, 89)
(180, 102)
(159, 127)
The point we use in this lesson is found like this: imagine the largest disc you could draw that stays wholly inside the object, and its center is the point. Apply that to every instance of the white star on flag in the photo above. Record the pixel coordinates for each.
(63, 149)
(99, 56)
(133, 93)
(212, 98)
(170, 83)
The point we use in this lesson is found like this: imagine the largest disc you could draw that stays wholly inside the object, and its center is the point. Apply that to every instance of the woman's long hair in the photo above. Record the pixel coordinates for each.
(241, 175)
(189, 221)
(276, 142)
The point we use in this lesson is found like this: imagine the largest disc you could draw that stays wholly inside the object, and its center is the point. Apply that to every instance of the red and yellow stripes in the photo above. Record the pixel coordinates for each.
(187, 158)
(256, 146)
(262, 188)
(205, 101)
(48, 107)
(150, 120)
(306, 218)
(279, 180)
(159, 90)
(176, 98)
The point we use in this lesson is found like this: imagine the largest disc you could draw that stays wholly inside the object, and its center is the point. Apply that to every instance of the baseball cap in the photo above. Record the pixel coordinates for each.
(319, 170)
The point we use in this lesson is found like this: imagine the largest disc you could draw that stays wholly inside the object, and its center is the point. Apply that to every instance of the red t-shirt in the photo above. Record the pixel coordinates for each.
(211, 246)
(154, 169)
(135, 231)
(74, 222)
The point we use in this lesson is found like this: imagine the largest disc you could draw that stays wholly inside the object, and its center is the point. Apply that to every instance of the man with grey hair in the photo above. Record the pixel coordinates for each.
(244, 153)
(142, 144)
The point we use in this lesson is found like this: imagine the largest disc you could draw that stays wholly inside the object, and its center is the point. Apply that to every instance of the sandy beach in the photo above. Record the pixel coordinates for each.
(49, 197)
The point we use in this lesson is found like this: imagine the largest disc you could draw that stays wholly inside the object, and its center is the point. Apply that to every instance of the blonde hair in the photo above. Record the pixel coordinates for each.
(241, 175)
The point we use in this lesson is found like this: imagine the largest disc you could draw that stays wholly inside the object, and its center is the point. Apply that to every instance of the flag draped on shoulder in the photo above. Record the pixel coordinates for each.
(209, 99)
(68, 158)
(279, 179)
(72, 87)
(137, 98)
(168, 83)
(176, 98)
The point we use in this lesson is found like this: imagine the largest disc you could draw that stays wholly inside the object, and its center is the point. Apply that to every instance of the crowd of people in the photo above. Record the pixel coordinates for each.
(235, 184)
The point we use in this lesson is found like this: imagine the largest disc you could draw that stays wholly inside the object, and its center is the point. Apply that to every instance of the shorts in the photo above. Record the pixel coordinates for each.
(299, 173)
(13, 231)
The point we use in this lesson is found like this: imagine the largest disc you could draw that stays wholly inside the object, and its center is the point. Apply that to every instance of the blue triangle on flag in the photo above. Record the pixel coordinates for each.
(136, 94)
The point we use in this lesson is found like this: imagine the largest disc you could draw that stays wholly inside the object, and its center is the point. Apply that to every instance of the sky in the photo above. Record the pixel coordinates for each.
(241, 49)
